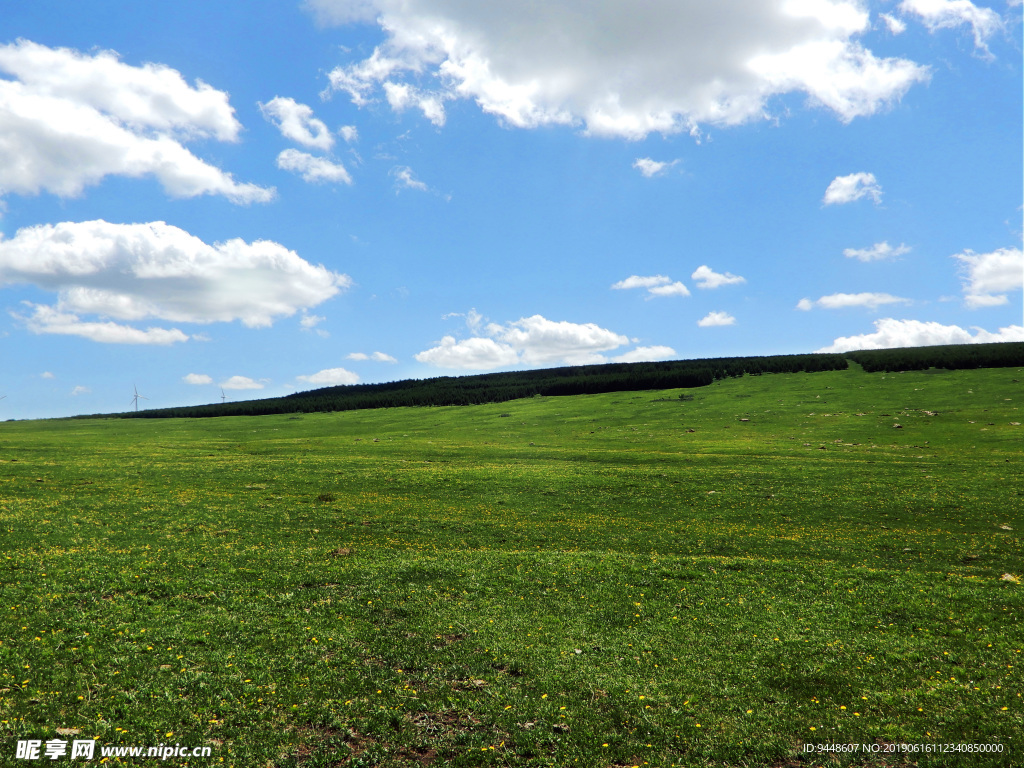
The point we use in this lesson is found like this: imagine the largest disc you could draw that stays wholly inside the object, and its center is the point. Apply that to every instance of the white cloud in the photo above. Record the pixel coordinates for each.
(51, 320)
(331, 377)
(890, 333)
(402, 96)
(46, 375)
(896, 26)
(81, 391)
(672, 289)
(197, 378)
(242, 382)
(988, 277)
(530, 341)
(296, 122)
(313, 169)
(380, 357)
(649, 167)
(646, 355)
(669, 67)
(539, 340)
(69, 119)
(712, 319)
(707, 278)
(476, 354)
(349, 133)
(404, 178)
(656, 285)
(847, 189)
(947, 14)
(131, 272)
(635, 281)
(876, 252)
(311, 321)
(844, 300)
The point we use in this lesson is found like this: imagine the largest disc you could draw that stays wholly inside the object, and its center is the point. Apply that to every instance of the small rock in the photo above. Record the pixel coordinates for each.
(1010, 578)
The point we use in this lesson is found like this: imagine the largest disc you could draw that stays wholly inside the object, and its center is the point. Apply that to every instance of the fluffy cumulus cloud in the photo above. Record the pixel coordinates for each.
(671, 66)
(197, 378)
(533, 341)
(312, 169)
(69, 119)
(708, 278)
(475, 354)
(656, 285)
(988, 277)
(135, 272)
(890, 333)
(847, 189)
(330, 377)
(539, 340)
(877, 252)
(296, 122)
(844, 300)
(650, 168)
(947, 14)
(713, 319)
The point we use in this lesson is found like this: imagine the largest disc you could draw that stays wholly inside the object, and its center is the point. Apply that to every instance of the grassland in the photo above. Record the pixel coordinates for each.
(603, 580)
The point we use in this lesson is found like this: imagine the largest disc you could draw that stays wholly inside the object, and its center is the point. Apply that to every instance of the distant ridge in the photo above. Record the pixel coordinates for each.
(594, 379)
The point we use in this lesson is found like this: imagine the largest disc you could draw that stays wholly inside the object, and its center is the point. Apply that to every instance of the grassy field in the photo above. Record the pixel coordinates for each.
(606, 580)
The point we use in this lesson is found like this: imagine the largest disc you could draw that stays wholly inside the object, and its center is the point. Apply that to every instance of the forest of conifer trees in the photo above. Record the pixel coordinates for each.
(594, 379)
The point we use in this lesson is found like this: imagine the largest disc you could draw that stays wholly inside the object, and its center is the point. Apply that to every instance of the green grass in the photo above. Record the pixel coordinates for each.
(603, 580)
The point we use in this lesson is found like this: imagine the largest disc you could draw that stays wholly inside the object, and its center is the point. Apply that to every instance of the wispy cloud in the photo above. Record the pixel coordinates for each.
(844, 300)
(877, 252)
(656, 285)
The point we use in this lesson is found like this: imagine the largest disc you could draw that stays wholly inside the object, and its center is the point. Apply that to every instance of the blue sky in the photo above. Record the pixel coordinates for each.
(265, 197)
